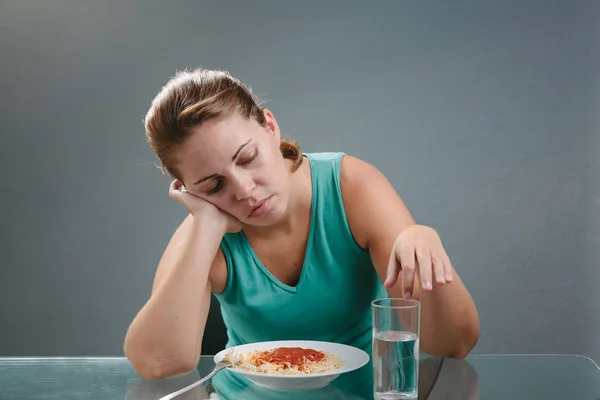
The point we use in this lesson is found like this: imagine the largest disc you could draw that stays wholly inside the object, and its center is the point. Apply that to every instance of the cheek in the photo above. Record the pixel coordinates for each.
(223, 203)
(269, 178)
(218, 200)
(274, 172)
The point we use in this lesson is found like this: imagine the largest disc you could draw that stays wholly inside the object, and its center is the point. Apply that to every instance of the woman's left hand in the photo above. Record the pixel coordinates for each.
(418, 252)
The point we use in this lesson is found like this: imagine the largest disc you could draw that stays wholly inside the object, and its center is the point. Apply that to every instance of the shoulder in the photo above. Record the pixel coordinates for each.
(354, 171)
(361, 182)
(373, 207)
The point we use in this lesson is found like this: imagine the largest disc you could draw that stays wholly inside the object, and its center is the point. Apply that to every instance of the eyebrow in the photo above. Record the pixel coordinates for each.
(232, 159)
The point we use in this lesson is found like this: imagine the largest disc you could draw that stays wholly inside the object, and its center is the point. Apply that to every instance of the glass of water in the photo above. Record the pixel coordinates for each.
(396, 324)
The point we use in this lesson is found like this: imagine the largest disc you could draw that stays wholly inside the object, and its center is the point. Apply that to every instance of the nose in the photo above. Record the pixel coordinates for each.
(243, 187)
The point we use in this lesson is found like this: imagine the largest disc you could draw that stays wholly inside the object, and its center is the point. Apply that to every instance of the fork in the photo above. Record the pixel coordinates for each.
(219, 366)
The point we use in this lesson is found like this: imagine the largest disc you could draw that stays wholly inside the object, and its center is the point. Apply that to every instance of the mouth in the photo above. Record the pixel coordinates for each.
(258, 209)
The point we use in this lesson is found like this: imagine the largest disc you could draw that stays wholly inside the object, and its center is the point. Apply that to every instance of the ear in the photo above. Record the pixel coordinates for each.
(272, 125)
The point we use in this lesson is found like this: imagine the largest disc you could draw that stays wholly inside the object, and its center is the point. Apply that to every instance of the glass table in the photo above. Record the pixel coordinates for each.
(475, 377)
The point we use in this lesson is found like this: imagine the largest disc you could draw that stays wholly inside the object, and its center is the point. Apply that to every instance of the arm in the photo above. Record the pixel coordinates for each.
(378, 217)
(165, 337)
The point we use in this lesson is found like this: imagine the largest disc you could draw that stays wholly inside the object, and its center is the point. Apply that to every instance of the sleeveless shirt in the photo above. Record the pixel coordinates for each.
(332, 299)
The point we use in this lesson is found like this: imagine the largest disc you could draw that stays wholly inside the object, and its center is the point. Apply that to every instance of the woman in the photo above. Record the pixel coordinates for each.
(293, 245)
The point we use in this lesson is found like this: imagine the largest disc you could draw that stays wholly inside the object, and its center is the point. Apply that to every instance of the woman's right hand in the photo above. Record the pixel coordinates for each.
(200, 207)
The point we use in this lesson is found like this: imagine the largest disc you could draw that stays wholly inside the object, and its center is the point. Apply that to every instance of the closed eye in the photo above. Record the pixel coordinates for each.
(252, 158)
(244, 163)
(216, 188)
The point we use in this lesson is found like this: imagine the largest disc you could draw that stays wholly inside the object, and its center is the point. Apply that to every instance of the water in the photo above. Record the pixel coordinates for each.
(396, 365)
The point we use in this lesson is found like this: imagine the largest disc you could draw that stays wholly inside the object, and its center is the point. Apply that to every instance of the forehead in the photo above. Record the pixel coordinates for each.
(212, 145)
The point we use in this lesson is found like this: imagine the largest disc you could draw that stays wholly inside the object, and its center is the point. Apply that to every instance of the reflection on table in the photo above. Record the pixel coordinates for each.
(489, 377)
(357, 385)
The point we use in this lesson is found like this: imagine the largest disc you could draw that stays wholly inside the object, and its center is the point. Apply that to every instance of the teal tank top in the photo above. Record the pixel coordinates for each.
(332, 299)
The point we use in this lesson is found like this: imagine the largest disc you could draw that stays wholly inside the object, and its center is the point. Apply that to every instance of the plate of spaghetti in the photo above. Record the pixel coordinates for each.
(293, 364)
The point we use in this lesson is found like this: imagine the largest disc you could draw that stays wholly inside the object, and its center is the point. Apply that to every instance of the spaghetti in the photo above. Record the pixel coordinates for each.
(285, 361)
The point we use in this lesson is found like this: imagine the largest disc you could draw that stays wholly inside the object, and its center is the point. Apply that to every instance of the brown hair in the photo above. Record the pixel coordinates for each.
(193, 97)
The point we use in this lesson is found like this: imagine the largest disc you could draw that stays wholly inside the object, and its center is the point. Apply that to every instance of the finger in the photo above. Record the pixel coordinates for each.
(449, 271)
(175, 189)
(391, 276)
(438, 268)
(426, 277)
(408, 261)
(424, 260)
(176, 185)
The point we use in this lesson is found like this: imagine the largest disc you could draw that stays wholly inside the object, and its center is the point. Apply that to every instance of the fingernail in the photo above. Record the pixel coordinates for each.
(427, 285)
(407, 295)
(449, 278)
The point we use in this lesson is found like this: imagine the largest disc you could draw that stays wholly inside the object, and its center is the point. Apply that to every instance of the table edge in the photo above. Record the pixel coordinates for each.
(485, 355)
(211, 357)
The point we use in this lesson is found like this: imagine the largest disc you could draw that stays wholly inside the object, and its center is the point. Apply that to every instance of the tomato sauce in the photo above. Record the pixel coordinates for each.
(291, 356)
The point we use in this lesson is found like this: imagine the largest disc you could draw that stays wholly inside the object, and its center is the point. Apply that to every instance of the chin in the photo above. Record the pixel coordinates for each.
(268, 219)
(271, 217)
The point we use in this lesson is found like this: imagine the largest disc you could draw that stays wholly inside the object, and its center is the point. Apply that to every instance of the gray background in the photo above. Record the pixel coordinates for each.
(484, 116)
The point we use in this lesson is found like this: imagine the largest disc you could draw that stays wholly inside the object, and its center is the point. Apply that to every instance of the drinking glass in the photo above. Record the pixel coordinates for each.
(396, 324)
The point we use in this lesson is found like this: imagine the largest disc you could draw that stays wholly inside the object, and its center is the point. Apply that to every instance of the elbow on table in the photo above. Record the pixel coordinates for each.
(459, 354)
(459, 347)
(152, 368)
(470, 338)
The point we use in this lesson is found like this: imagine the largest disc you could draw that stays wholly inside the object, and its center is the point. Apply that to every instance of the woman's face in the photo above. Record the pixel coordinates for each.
(236, 165)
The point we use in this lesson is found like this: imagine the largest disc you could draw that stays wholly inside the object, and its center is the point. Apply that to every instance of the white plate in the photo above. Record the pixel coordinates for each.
(351, 357)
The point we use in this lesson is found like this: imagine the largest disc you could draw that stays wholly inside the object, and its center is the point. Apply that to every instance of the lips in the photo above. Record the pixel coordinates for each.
(258, 206)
